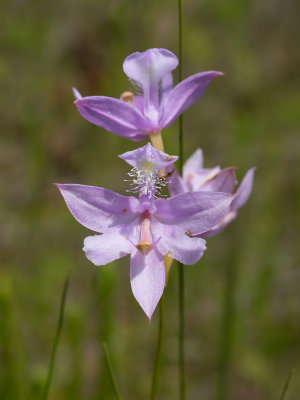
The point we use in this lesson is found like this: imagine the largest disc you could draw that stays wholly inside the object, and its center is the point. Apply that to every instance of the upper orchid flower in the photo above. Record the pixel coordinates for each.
(196, 178)
(146, 227)
(155, 107)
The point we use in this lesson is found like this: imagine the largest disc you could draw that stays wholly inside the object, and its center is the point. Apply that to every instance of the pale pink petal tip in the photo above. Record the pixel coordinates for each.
(76, 94)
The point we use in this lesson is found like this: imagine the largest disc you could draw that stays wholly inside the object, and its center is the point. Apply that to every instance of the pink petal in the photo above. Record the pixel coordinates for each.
(244, 190)
(184, 95)
(148, 154)
(195, 182)
(148, 69)
(114, 115)
(105, 248)
(229, 217)
(97, 208)
(194, 163)
(195, 212)
(224, 181)
(76, 94)
(147, 276)
(180, 246)
(176, 184)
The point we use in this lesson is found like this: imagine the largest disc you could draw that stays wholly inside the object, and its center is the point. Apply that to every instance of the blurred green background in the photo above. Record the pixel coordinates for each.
(251, 116)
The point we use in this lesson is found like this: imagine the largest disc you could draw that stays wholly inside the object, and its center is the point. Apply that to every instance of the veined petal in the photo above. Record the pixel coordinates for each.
(224, 181)
(114, 115)
(229, 217)
(97, 208)
(148, 157)
(244, 190)
(175, 242)
(176, 184)
(195, 212)
(184, 95)
(193, 164)
(166, 85)
(147, 276)
(195, 182)
(148, 69)
(105, 248)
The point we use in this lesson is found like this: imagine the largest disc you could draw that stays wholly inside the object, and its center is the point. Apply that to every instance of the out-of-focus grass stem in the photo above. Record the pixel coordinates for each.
(222, 385)
(286, 385)
(56, 338)
(158, 355)
(180, 266)
(110, 370)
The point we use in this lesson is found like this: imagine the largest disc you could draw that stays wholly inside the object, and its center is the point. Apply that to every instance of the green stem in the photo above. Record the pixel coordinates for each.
(181, 331)
(110, 370)
(180, 266)
(180, 79)
(56, 338)
(286, 385)
(158, 355)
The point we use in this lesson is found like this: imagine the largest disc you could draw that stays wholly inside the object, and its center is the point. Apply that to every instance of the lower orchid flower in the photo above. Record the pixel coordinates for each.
(147, 227)
(196, 178)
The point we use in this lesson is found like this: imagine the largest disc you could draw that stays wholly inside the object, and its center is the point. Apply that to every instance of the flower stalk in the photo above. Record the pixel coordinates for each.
(156, 370)
(180, 265)
(56, 339)
(156, 140)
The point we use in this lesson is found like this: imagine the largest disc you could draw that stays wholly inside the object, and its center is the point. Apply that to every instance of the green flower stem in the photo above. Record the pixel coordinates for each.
(110, 370)
(286, 385)
(180, 266)
(158, 355)
(181, 331)
(56, 338)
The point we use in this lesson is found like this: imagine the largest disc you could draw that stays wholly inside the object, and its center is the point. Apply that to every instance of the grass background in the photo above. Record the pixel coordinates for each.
(248, 117)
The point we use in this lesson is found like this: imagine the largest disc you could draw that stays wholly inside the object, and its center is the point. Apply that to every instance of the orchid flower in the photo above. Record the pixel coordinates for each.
(155, 107)
(196, 178)
(146, 227)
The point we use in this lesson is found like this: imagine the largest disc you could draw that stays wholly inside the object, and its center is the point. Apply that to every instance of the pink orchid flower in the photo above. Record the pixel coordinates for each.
(197, 178)
(158, 104)
(147, 227)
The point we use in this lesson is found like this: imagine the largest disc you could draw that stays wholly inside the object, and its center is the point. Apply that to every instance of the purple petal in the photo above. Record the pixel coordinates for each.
(148, 69)
(224, 181)
(244, 190)
(97, 208)
(114, 115)
(176, 184)
(195, 181)
(138, 102)
(166, 85)
(76, 94)
(184, 95)
(229, 217)
(147, 276)
(141, 157)
(195, 212)
(194, 163)
(177, 244)
(105, 248)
